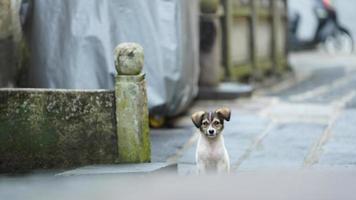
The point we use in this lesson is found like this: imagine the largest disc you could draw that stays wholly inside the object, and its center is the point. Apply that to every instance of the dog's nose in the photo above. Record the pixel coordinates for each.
(211, 131)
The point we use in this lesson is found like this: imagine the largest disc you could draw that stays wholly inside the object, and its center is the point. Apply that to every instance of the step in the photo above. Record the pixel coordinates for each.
(225, 91)
(142, 168)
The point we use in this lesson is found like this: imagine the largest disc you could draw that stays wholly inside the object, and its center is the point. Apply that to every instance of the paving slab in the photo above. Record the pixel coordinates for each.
(166, 142)
(341, 147)
(285, 147)
(188, 156)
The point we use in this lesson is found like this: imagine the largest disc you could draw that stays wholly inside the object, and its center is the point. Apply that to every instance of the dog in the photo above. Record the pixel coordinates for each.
(211, 154)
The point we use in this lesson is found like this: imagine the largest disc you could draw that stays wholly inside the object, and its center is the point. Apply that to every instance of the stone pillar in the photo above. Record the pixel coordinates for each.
(10, 42)
(131, 105)
(210, 44)
(7, 46)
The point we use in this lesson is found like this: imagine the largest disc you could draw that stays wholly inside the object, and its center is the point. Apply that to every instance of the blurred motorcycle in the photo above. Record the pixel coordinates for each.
(330, 34)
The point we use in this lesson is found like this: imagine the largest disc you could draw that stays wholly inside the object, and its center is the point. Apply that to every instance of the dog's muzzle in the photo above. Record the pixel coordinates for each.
(211, 132)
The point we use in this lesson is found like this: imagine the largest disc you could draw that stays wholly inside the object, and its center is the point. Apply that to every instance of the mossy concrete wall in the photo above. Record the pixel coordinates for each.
(56, 128)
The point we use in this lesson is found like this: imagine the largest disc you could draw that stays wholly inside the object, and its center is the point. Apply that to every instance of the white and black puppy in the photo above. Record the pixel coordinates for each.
(211, 154)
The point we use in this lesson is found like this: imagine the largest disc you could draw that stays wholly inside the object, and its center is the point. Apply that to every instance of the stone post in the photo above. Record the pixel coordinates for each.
(131, 105)
(7, 46)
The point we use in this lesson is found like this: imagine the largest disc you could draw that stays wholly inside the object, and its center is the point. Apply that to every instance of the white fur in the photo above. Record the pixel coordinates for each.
(211, 155)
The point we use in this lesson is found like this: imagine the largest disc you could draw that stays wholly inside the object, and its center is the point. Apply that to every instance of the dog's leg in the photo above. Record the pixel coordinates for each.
(223, 167)
(201, 168)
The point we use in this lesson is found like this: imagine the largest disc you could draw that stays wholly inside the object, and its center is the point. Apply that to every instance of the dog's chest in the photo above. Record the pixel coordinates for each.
(210, 153)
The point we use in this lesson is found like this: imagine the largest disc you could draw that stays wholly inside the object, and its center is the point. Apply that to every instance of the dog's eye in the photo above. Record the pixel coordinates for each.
(205, 123)
(216, 123)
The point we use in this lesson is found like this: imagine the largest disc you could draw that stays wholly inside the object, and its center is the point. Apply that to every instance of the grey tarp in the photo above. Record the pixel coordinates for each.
(72, 44)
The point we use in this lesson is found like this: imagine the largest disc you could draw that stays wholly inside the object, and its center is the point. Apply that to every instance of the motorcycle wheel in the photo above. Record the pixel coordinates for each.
(341, 42)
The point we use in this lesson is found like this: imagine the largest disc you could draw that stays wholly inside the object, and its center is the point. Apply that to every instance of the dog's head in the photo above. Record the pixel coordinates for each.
(211, 124)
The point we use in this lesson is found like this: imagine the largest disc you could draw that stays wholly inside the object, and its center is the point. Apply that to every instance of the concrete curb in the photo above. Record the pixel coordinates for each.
(144, 168)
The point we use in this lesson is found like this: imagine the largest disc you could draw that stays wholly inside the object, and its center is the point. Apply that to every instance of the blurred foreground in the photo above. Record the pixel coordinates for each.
(307, 185)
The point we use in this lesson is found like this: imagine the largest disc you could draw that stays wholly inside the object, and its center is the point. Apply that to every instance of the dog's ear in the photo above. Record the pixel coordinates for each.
(225, 113)
(197, 118)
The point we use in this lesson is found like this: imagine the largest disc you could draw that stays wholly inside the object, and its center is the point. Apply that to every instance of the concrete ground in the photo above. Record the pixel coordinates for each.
(295, 140)
(306, 121)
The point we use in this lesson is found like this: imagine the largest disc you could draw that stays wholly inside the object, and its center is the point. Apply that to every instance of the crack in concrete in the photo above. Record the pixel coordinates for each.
(257, 141)
(317, 149)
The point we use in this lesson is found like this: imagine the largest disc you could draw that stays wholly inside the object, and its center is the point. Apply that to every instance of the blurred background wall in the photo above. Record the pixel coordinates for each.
(346, 10)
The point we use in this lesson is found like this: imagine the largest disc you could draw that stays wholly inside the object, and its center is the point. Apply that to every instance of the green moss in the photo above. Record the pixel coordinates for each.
(132, 122)
(61, 128)
(209, 6)
(46, 129)
(240, 71)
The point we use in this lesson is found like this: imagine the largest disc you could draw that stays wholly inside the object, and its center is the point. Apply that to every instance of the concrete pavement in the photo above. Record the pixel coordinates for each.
(303, 122)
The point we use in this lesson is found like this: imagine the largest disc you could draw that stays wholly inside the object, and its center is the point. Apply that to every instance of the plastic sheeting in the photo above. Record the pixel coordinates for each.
(72, 46)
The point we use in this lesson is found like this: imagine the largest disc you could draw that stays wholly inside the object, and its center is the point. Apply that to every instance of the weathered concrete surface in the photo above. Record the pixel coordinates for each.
(10, 42)
(131, 105)
(341, 148)
(6, 43)
(132, 122)
(5, 19)
(129, 59)
(56, 128)
(165, 142)
(7, 61)
(285, 147)
(66, 128)
(125, 169)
